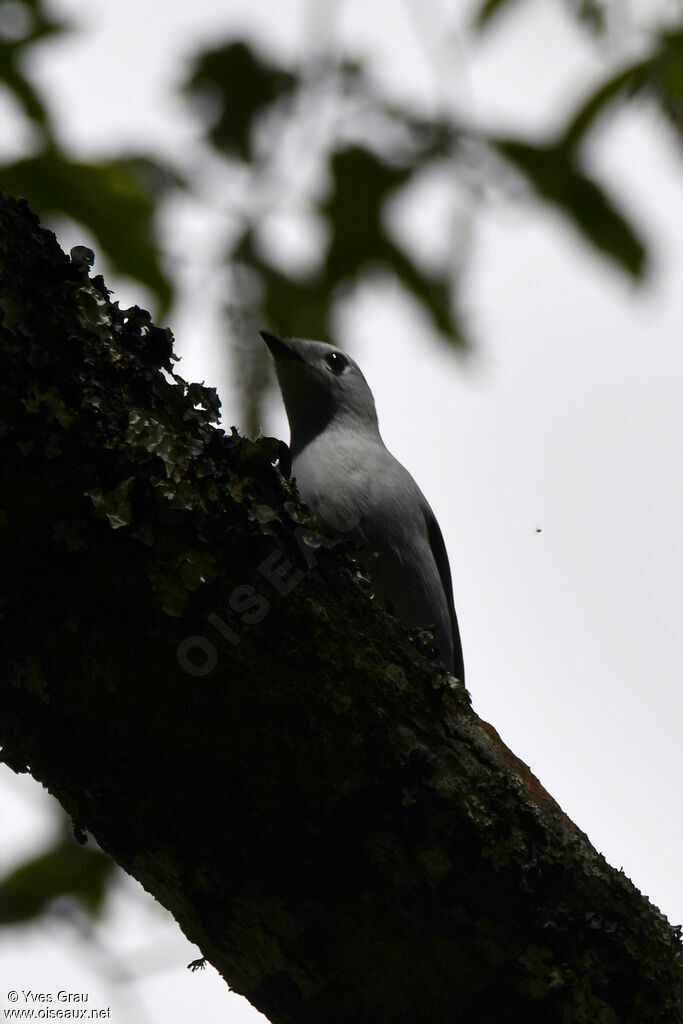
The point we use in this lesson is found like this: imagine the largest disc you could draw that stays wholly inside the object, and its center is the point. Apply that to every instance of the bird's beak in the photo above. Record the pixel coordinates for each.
(280, 348)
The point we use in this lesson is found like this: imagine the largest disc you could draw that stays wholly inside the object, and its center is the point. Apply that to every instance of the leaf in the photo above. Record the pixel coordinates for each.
(22, 89)
(487, 11)
(585, 118)
(240, 85)
(553, 173)
(115, 505)
(592, 13)
(589, 12)
(113, 200)
(660, 76)
(292, 307)
(362, 184)
(65, 870)
(37, 24)
(21, 25)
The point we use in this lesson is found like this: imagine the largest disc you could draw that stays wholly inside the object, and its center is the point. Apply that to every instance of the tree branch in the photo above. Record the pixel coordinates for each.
(220, 704)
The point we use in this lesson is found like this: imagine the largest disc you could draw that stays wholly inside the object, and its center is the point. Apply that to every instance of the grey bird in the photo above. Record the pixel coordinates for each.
(354, 485)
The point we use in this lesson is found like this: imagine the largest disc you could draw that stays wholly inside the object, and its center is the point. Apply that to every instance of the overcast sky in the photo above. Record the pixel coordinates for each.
(552, 458)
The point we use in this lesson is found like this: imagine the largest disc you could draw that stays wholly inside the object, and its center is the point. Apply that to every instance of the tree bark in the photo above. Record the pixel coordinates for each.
(211, 693)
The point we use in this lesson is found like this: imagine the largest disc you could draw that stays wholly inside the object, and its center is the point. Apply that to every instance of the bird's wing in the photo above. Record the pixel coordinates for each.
(441, 558)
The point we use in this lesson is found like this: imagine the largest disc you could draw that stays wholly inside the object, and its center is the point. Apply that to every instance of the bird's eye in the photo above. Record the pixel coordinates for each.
(336, 362)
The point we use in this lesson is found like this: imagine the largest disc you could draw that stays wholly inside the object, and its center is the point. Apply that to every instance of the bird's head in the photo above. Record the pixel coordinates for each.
(321, 386)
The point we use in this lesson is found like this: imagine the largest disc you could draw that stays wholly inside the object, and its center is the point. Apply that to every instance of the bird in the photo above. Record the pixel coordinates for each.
(353, 484)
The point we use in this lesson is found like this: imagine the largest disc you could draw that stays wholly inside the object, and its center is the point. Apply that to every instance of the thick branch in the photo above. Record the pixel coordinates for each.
(299, 784)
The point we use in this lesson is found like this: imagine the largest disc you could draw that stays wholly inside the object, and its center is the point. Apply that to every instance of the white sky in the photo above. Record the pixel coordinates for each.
(566, 420)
